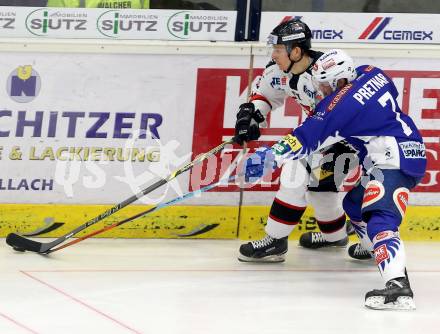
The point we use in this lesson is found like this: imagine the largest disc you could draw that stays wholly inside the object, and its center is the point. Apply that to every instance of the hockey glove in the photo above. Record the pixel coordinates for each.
(246, 127)
(259, 164)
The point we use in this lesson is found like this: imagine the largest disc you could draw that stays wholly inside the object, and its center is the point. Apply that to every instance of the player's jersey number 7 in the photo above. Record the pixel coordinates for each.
(383, 102)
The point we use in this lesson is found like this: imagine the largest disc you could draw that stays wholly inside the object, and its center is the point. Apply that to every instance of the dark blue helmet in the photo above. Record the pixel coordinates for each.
(291, 32)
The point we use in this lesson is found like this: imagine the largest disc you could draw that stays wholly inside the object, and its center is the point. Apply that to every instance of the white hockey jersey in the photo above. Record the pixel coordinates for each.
(275, 85)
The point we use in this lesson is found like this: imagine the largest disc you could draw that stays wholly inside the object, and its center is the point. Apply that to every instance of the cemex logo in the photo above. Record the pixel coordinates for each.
(378, 25)
(23, 84)
(318, 34)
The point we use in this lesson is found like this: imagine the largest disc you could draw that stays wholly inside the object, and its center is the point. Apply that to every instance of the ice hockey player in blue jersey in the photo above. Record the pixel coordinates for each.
(360, 108)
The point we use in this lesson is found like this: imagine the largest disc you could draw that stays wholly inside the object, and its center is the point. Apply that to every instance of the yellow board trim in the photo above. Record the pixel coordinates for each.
(220, 222)
(422, 223)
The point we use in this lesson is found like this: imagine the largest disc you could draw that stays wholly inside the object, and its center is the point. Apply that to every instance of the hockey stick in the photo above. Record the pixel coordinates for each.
(20, 243)
(141, 214)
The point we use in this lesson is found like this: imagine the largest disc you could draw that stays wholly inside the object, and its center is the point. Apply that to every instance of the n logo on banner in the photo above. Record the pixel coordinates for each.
(23, 84)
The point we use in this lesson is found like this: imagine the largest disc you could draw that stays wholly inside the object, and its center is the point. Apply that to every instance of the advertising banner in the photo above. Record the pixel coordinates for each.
(417, 81)
(96, 129)
(117, 23)
(361, 27)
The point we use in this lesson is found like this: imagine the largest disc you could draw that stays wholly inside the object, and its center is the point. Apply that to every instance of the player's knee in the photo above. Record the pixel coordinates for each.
(378, 222)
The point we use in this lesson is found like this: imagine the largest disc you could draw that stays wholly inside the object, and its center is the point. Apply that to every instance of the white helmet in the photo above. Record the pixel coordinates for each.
(332, 66)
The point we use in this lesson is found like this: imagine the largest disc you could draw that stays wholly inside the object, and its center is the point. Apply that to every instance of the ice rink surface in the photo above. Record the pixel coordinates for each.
(198, 286)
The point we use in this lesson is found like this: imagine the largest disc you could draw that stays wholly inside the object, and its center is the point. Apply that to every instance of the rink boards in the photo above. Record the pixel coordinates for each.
(89, 122)
(218, 222)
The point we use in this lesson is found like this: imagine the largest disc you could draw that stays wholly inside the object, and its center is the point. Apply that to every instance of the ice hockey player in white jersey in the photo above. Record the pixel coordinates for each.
(289, 75)
(360, 107)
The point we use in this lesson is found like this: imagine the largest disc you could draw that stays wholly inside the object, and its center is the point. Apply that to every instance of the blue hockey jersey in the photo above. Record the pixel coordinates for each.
(364, 113)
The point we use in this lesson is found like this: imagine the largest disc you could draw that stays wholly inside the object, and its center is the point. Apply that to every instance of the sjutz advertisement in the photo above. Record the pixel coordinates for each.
(102, 23)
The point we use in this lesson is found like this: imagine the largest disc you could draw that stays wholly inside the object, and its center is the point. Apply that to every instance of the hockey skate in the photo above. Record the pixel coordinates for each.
(267, 249)
(356, 251)
(316, 240)
(397, 295)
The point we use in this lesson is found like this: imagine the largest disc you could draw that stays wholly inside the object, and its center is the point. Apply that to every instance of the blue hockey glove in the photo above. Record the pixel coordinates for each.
(259, 164)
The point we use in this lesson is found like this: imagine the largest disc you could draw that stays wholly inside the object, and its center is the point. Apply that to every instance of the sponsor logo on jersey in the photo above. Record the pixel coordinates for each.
(377, 28)
(383, 235)
(276, 81)
(381, 254)
(280, 148)
(309, 92)
(23, 84)
(400, 198)
(293, 142)
(289, 143)
(413, 149)
(374, 192)
(339, 96)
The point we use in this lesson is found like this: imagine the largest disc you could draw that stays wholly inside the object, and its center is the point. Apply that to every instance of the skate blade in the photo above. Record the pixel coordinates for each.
(402, 303)
(335, 247)
(342, 244)
(361, 258)
(266, 259)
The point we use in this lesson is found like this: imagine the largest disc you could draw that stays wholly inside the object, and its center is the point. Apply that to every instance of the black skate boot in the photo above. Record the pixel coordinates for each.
(267, 249)
(397, 295)
(356, 251)
(315, 240)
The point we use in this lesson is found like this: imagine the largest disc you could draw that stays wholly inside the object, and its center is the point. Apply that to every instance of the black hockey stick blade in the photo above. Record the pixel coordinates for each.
(22, 244)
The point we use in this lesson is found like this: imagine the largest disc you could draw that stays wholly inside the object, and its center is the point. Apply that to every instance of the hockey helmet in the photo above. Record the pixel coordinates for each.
(291, 32)
(333, 65)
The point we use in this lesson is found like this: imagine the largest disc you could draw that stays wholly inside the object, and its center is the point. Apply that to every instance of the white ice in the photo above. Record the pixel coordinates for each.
(198, 286)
